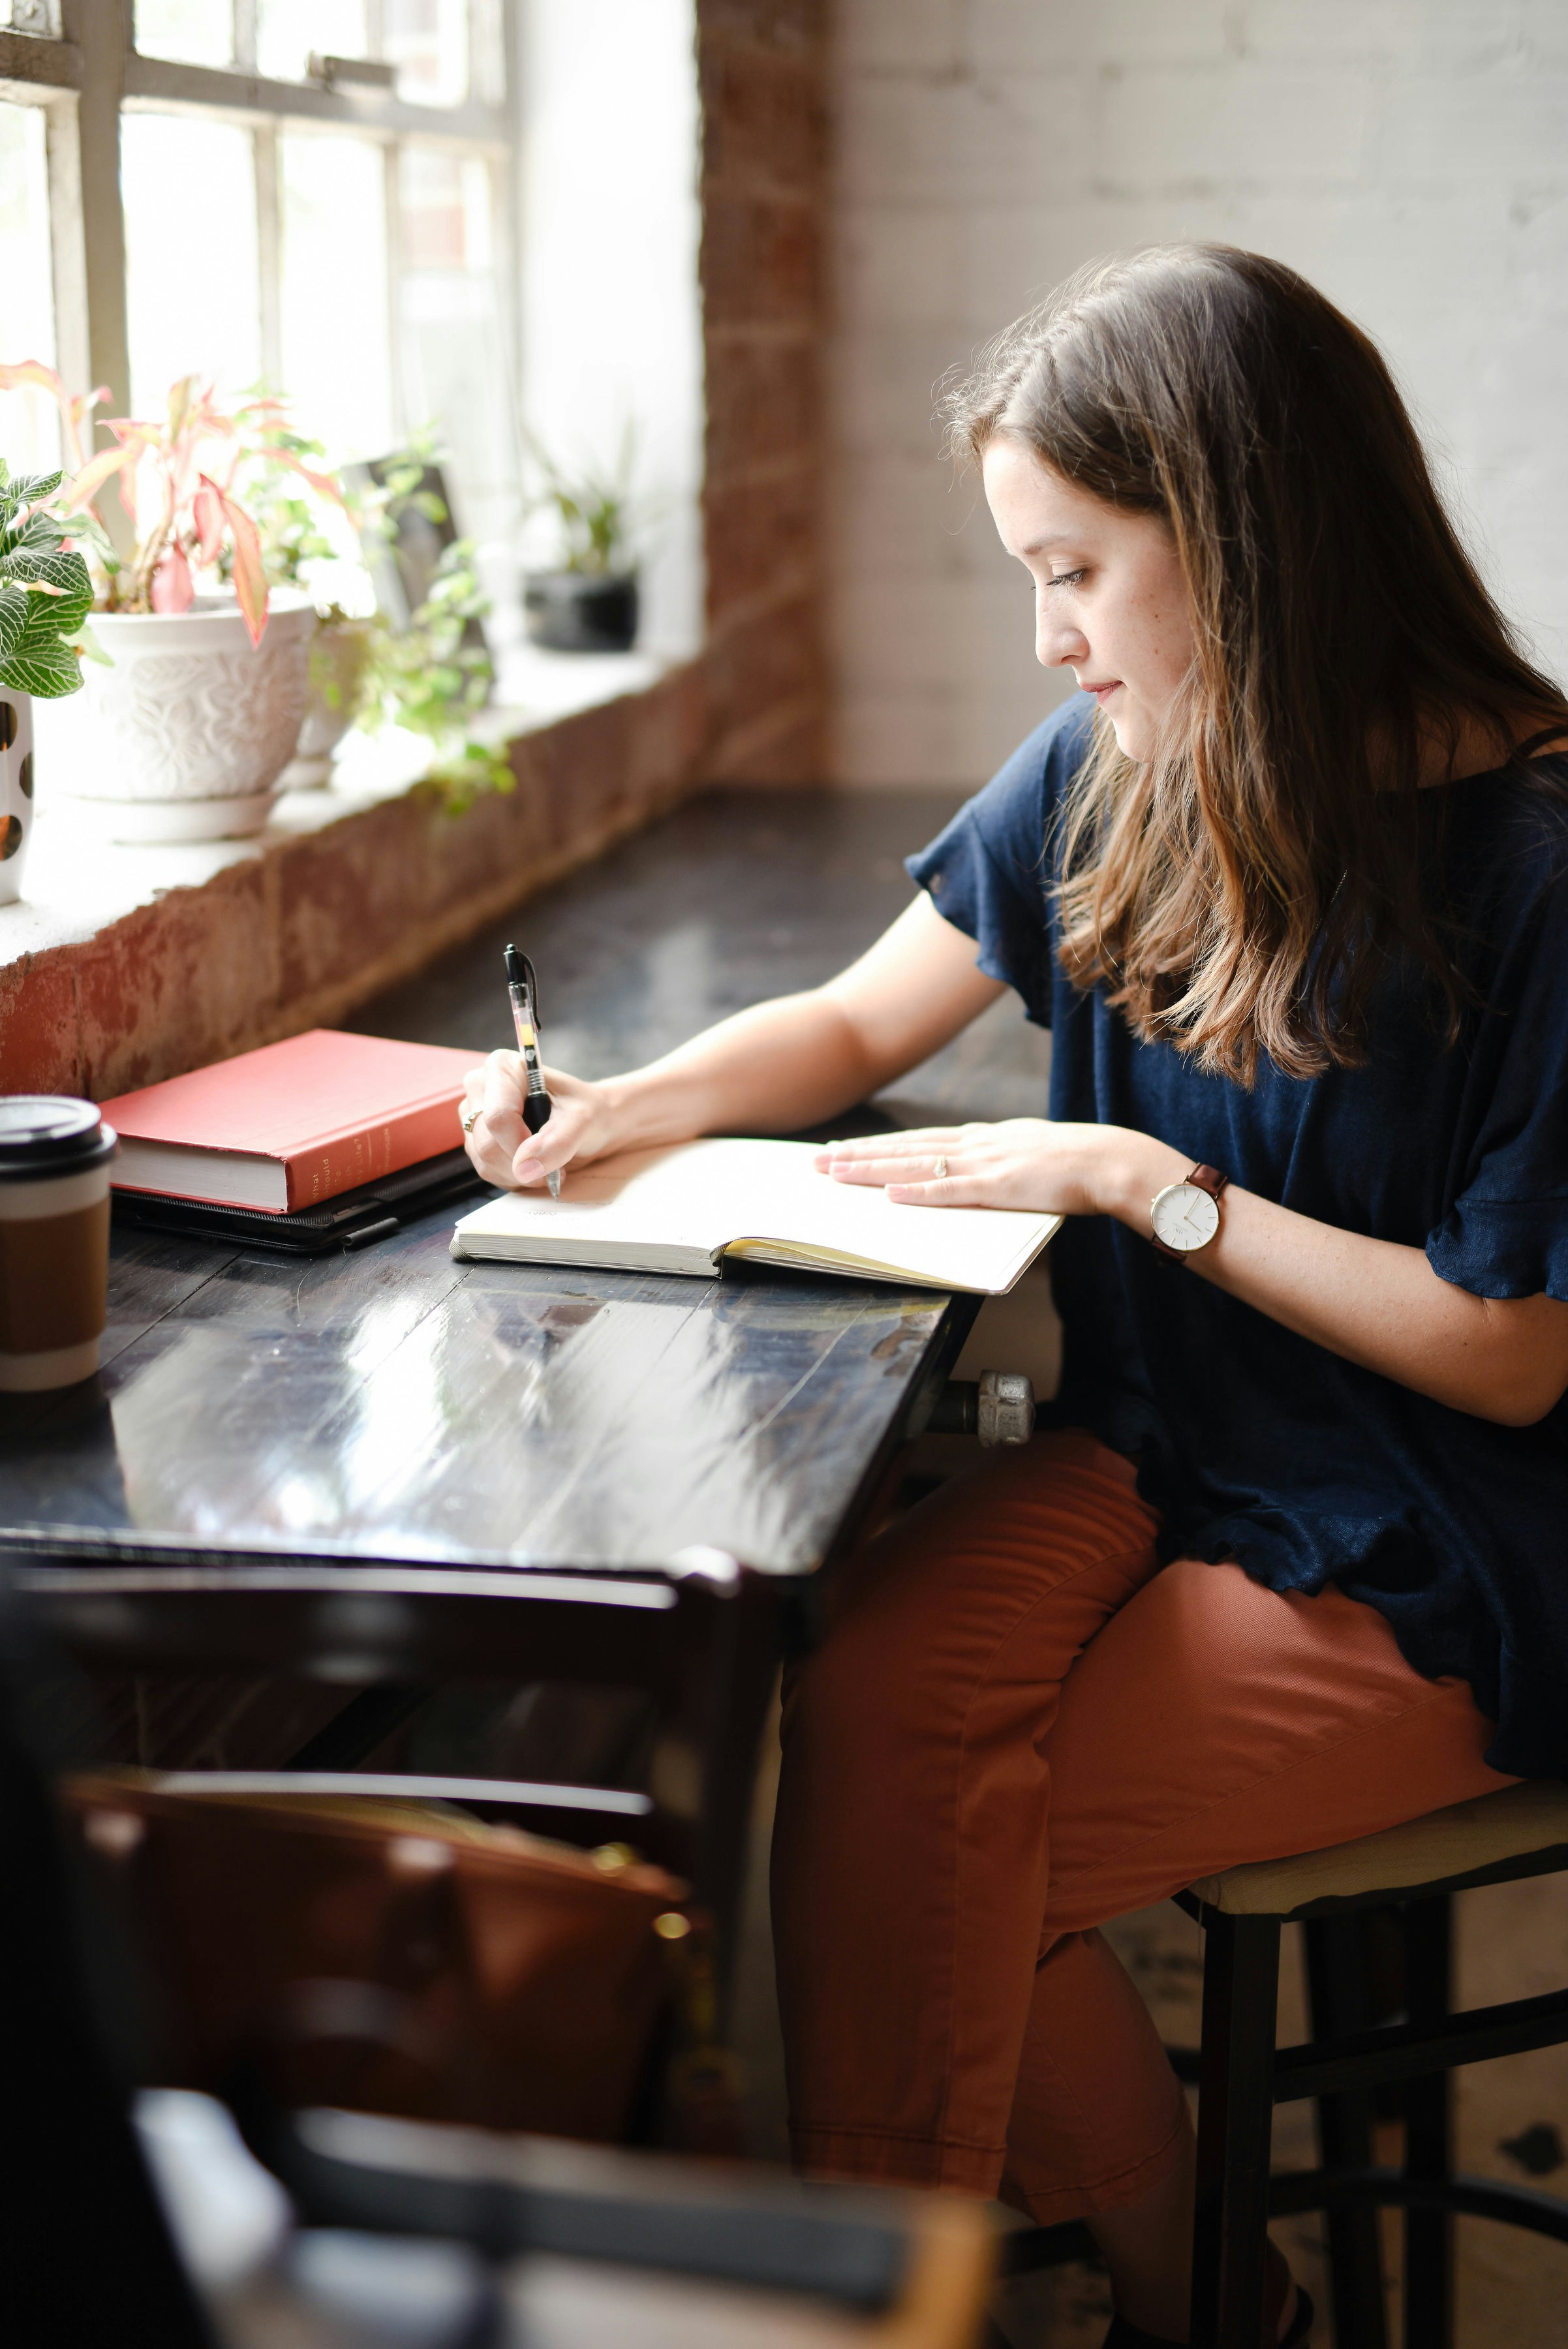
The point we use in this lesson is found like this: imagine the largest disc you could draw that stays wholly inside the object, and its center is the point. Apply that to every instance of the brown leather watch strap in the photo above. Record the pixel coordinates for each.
(1202, 1178)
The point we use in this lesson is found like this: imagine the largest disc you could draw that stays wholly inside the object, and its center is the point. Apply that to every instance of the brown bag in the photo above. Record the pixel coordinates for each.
(394, 1957)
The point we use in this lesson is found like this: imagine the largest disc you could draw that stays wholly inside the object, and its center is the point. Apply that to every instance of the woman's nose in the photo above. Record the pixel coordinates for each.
(1057, 644)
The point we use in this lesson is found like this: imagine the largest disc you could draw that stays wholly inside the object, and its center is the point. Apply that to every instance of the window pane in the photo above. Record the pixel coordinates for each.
(287, 31)
(336, 364)
(29, 433)
(193, 32)
(427, 40)
(192, 281)
(487, 70)
(453, 346)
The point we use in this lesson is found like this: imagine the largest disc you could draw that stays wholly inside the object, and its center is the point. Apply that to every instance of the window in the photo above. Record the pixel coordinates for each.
(316, 194)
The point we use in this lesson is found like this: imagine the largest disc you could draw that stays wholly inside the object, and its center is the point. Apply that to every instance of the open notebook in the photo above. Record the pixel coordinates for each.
(681, 1209)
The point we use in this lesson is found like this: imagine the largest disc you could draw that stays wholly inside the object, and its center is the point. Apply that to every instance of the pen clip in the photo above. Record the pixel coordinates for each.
(532, 985)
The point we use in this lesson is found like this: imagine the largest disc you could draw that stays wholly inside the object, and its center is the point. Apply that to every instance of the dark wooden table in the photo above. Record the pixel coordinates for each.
(399, 1405)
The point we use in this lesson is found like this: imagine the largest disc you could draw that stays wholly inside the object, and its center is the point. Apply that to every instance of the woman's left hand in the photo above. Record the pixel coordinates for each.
(1023, 1161)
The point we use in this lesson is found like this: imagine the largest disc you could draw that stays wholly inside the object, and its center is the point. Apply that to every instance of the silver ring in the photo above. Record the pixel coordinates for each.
(941, 1170)
(469, 1118)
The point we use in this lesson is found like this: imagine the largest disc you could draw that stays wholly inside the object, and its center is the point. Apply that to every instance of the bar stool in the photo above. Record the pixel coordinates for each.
(1415, 1869)
(1410, 1873)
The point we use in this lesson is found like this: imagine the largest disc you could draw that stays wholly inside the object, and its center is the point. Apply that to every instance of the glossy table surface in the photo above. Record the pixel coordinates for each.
(395, 1404)
(398, 1405)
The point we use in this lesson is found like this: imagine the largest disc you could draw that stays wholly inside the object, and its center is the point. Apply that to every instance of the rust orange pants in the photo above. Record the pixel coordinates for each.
(1018, 1727)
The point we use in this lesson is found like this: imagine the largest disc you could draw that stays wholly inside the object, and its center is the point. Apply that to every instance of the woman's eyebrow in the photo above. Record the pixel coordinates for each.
(1043, 545)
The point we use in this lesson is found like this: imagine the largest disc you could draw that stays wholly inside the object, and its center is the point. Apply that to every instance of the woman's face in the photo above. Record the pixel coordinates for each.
(1110, 602)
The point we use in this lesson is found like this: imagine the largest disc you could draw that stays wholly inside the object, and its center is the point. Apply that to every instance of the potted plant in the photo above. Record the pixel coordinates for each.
(45, 594)
(589, 602)
(183, 731)
(302, 549)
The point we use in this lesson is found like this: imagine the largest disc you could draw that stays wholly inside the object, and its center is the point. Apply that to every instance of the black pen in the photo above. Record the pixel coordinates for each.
(524, 989)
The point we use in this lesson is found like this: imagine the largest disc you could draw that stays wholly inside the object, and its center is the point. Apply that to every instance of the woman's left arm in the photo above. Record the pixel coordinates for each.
(1372, 1301)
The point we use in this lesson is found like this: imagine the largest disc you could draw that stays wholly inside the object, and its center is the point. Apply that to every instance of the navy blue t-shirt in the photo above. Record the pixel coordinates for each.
(1260, 1445)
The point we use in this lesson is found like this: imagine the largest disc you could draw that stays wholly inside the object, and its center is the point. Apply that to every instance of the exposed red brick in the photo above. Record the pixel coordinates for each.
(770, 660)
(186, 980)
(761, 260)
(666, 747)
(764, 402)
(798, 25)
(40, 1034)
(347, 893)
(582, 765)
(765, 118)
(760, 534)
(793, 755)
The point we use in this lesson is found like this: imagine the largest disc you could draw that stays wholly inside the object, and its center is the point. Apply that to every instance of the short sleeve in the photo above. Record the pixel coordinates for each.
(988, 873)
(1506, 1233)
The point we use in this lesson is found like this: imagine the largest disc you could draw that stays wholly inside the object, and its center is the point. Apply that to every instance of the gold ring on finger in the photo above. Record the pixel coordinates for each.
(470, 1118)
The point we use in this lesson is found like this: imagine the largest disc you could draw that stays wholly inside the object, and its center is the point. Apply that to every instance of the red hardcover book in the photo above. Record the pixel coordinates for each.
(293, 1123)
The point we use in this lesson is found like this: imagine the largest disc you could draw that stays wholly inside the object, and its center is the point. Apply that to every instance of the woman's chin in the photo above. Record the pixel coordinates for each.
(1132, 738)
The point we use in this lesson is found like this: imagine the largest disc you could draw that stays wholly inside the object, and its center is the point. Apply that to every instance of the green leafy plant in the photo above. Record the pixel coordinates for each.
(433, 677)
(45, 588)
(593, 510)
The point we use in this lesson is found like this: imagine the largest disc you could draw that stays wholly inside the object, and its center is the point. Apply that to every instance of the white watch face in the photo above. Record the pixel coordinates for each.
(1185, 1218)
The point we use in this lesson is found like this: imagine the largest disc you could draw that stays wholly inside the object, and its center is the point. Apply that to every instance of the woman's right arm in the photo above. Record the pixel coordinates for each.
(774, 1069)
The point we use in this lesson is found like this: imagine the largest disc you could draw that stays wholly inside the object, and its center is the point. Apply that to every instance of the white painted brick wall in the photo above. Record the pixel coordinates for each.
(1410, 156)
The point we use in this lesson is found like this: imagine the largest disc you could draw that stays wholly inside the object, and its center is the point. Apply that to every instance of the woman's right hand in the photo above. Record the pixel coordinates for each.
(581, 1125)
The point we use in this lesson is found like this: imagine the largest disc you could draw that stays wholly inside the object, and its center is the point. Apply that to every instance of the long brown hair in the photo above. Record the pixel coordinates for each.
(1242, 890)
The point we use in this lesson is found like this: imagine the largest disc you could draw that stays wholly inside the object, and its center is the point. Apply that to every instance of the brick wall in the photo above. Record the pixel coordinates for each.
(1408, 156)
(313, 925)
(763, 65)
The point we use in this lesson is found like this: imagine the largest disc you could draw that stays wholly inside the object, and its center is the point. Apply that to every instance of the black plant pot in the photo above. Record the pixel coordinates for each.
(578, 612)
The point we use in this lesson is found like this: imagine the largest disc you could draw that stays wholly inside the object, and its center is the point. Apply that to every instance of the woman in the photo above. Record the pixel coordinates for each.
(1288, 880)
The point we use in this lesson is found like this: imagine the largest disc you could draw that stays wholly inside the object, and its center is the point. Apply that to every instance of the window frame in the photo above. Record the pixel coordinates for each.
(88, 79)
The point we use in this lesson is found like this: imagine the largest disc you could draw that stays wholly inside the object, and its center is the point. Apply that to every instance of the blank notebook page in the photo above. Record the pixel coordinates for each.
(762, 1199)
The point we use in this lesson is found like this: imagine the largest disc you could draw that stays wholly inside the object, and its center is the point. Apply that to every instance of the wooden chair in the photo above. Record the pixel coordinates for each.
(1413, 1870)
(703, 1644)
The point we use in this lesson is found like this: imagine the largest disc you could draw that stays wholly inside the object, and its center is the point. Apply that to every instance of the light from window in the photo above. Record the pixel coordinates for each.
(337, 361)
(288, 30)
(427, 40)
(192, 32)
(193, 295)
(487, 66)
(452, 345)
(29, 434)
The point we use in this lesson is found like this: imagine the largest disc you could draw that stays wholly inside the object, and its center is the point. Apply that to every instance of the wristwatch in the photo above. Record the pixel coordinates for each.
(1186, 1215)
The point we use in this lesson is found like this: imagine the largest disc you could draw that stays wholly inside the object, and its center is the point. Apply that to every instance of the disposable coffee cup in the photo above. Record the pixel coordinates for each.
(55, 1155)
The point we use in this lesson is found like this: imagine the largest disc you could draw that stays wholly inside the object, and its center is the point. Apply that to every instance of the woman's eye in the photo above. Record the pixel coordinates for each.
(1064, 579)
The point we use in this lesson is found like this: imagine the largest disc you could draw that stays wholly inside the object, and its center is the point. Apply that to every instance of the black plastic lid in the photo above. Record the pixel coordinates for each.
(51, 1133)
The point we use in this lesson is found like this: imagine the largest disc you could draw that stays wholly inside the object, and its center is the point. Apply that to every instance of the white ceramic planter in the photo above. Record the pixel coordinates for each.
(338, 653)
(184, 738)
(15, 789)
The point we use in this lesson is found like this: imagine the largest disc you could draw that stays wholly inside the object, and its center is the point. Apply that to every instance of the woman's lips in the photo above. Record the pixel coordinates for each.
(1102, 693)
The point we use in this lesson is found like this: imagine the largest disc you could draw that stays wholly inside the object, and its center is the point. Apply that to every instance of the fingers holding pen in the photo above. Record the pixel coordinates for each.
(562, 1138)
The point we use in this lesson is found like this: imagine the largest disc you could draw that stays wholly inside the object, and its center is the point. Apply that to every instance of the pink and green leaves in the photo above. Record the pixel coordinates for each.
(175, 479)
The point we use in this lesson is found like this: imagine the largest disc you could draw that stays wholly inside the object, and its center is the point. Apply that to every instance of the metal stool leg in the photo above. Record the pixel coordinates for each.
(1428, 2234)
(1235, 2111)
(1337, 1996)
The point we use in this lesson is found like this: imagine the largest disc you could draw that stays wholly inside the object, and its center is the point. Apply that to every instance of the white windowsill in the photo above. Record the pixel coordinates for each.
(78, 883)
